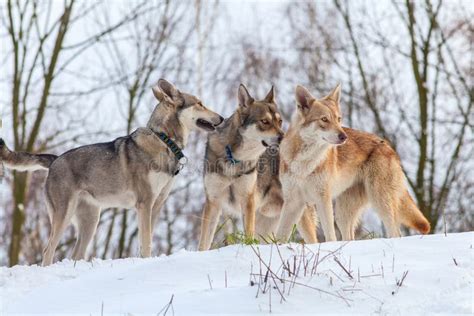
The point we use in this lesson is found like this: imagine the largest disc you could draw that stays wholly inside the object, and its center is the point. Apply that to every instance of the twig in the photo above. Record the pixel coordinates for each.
(400, 282)
(343, 268)
(210, 283)
(167, 307)
(270, 297)
(314, 288)
(370, 275)
(393, 263)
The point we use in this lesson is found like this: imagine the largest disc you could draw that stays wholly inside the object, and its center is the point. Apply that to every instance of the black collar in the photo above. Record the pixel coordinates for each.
(178, 153)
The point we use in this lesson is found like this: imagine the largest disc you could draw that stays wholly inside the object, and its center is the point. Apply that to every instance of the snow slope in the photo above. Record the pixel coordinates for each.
(358, 277)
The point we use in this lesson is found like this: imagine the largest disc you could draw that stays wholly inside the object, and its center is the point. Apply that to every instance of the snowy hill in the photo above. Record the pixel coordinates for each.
(407, 276)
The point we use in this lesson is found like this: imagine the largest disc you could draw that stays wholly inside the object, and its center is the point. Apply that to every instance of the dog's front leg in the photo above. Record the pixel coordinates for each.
(307, 225)
(144, 213)
(326, 215)
(209, 220)
(249, 215)
(291, 214)
(159, 203)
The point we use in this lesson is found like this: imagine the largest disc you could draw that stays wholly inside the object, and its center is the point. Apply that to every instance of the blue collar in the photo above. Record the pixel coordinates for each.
(229, 156)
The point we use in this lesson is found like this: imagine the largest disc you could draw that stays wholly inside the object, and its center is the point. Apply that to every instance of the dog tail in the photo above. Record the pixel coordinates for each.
(411, 216)
(24, 161)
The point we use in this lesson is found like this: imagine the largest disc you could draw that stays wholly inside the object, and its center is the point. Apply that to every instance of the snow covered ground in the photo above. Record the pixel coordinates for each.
(434, 275)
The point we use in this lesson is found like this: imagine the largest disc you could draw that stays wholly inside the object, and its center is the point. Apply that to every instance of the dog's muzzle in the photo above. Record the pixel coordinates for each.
(273, 142)
(207, 125)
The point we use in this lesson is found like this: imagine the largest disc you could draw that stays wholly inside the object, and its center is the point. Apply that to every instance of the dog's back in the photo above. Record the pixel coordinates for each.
(376, 177)
(100, 170)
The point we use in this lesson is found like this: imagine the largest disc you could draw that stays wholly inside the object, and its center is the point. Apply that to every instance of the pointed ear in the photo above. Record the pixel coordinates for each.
(159, 95)
(335, 94)
(164, 90)
(270, 98)
(304, 99)
(244, 97)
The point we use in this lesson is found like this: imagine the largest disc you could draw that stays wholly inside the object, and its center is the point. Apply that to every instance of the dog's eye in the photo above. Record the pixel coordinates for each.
(265, 122)
(324, 119)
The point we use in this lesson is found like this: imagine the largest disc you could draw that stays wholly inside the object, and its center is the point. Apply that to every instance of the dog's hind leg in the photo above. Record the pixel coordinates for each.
(386, 203)
(307, 225)
(349, 206)
(61, 210)
(209, 220)
(385, 184)
(87, 218)
(265, 227)
(387, 213)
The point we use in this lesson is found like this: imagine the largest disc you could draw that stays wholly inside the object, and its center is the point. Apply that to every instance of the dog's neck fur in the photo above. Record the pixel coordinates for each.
(164, 120)
(297, 146)
(243, 148)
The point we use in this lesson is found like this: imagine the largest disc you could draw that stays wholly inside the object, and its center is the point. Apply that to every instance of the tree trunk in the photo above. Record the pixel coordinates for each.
(18, 217)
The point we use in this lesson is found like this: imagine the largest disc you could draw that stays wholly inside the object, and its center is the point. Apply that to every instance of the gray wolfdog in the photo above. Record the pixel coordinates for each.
(135, 171)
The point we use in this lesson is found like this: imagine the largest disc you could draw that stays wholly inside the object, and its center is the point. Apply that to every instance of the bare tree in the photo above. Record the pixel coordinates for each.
(40, 55)
(426, 51)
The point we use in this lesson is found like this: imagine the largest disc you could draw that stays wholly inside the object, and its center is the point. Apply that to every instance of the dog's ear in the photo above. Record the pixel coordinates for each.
(335, 94)
(244, 97)
(304, 99)
(165, 91)
(270, 98)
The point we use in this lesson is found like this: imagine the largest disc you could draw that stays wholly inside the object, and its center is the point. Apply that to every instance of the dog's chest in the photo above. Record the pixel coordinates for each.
(230, 192)
(237, 170)
(157, 180)
(239, 191)
(305, 161)
(249, 151)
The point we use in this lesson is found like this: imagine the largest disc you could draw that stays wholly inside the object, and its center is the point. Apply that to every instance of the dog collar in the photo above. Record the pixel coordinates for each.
(229, 156)
(178, 153)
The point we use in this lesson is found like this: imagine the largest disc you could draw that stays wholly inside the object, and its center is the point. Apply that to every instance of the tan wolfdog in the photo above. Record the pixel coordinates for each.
(322, 161)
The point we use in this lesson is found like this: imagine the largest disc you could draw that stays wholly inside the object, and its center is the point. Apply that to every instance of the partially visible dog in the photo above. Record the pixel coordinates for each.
(270, 202)
(322, 161)
(234, 162)
(135, 171)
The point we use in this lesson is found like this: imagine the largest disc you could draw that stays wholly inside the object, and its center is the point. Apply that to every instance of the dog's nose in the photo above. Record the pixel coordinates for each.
(221, 119)
(342, 137)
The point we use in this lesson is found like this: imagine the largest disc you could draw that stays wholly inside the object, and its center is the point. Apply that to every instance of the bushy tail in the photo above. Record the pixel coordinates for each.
(24, 161)
(411, 216)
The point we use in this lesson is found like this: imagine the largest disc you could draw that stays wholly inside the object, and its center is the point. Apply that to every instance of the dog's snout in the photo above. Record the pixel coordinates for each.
(342, 137)
(221, 119)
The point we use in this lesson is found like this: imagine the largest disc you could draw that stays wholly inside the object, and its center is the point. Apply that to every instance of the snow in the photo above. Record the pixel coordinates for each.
(439, 281)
